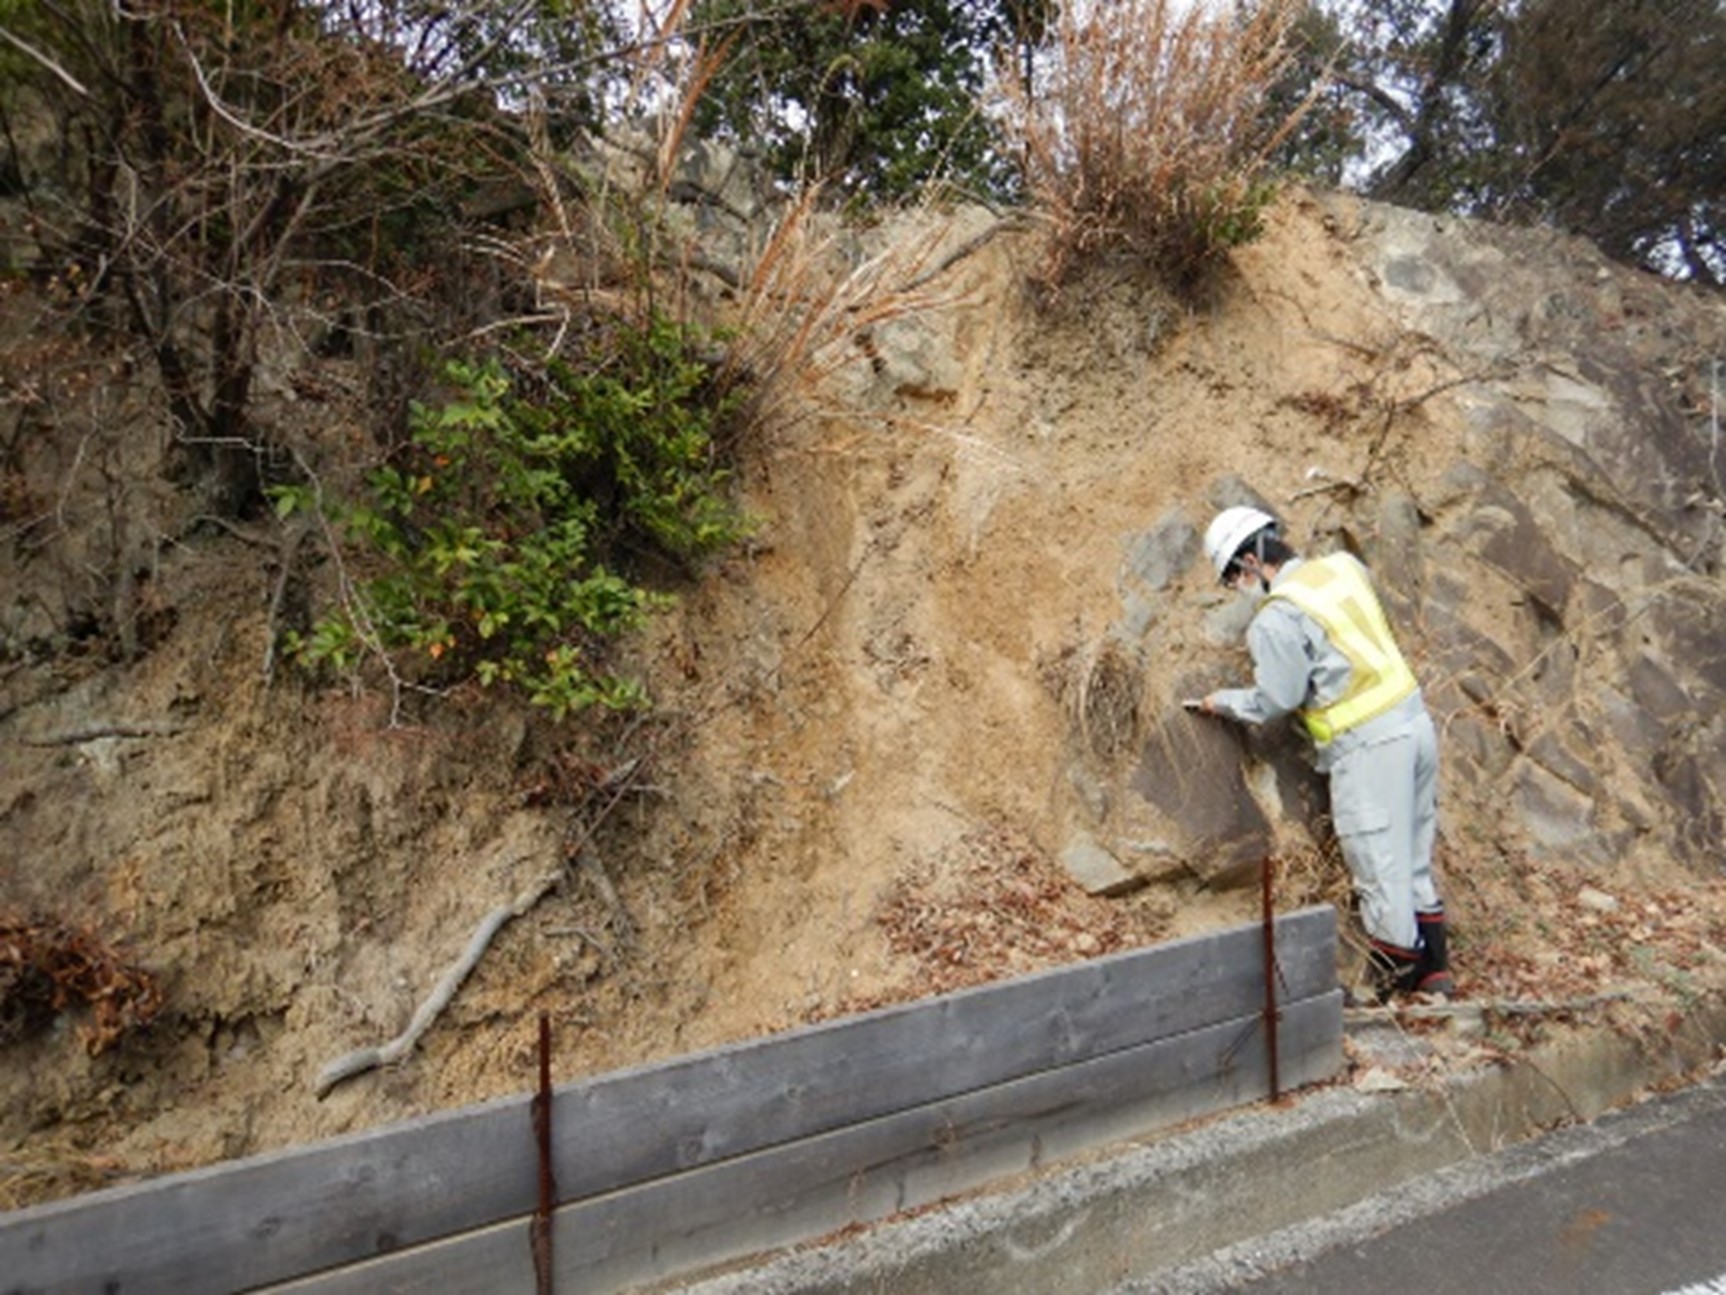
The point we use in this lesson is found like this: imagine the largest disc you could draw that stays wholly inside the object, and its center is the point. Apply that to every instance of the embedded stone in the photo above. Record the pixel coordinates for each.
(1657, 692)
(1688, 779)
(1552, 754)
(1191, 770)
(1397, 559)
(1096, 870)
(1163, 554)
(1690, 620)
(1503, 532)
(1557, 818)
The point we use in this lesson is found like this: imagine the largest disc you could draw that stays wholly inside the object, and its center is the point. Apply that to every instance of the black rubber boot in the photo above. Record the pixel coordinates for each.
(1433, 975)
(1395, 970)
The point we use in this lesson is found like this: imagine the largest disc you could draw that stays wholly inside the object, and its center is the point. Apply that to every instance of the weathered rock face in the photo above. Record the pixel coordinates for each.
(1548, 542)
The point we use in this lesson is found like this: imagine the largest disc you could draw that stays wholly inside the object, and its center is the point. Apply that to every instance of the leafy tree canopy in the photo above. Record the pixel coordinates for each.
(1607, 119)
(876, 97)
(1612, 120)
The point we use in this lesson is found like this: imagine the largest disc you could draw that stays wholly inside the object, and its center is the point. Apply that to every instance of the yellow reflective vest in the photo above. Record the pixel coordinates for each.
(1335, 592)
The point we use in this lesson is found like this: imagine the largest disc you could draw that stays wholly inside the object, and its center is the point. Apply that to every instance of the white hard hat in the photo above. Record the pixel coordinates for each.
(1229, 530)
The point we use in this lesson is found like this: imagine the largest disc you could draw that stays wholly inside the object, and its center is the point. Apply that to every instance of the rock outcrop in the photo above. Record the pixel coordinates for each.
(1550, 551)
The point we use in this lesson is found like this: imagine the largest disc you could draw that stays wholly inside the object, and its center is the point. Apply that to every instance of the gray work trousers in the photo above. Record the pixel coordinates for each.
(1384, 804)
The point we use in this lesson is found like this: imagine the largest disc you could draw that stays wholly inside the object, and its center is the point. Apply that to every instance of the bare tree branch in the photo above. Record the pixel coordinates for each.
(30, 50)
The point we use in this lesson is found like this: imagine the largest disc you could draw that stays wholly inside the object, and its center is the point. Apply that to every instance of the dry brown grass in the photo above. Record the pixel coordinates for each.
(48, 966)
(1103, 698)
(798, 298)
(49, 1173)
(814, 290)
(1149, 135)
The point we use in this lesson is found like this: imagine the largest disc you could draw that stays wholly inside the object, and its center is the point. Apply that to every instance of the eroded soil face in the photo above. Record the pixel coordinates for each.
(881, 724)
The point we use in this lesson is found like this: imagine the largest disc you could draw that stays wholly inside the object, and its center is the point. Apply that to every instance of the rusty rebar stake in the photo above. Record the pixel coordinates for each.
(1272, 1016)
(539, 1235)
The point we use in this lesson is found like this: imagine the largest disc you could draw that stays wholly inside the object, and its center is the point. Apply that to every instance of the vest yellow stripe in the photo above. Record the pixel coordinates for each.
(1335, 593)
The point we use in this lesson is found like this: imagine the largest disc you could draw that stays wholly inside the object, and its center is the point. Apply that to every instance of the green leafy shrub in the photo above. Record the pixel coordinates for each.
(489, 539)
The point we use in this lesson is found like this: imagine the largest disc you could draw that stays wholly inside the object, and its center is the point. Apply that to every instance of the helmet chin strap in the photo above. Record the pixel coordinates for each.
(1259, 553)
(1257, 570)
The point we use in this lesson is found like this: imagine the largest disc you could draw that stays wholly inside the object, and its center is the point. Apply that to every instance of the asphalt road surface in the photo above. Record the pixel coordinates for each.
(1634, 1204)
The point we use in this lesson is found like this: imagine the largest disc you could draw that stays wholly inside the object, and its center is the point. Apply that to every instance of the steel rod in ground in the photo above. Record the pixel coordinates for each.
(539, 1235)
(1271, 1013)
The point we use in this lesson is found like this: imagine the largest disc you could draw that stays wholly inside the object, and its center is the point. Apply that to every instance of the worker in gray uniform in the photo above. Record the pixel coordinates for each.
(1321, 647)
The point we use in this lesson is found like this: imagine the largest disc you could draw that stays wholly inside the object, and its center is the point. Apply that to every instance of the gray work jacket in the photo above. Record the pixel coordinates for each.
(1295, 668)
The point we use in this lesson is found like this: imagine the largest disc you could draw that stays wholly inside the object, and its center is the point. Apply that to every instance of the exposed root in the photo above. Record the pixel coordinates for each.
(361, 1060)
(622, 926)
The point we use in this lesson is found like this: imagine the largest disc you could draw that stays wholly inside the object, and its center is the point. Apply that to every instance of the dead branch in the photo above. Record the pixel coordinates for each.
(1479, 1009)
(361, 1060)
(1341, 484)
(618, 782)
(287, 554)
(91, 732)
(591, 868)
(1496, 371)
(31, 51)
(961, 252)
(238, 532)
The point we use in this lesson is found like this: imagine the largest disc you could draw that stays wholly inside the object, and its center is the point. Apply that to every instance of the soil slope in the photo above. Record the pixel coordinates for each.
(937, 667)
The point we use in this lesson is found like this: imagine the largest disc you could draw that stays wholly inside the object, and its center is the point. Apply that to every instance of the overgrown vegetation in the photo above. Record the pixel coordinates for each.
(1150, 135)
(229, 193)
(225, 198)
(212, 188)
